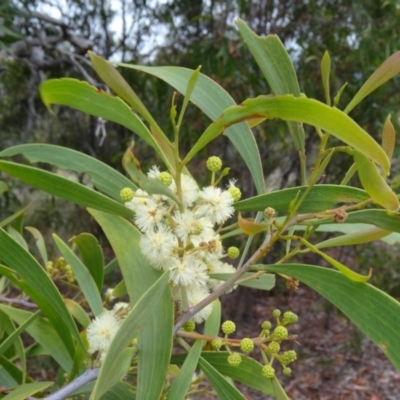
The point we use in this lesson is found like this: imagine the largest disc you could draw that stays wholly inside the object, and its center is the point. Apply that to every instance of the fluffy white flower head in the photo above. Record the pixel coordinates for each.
(157, 246)
(190, 190)
(194, 297)
(149, 215)
(101, 331)
(215, 204)
(181, 270)
(188, 225)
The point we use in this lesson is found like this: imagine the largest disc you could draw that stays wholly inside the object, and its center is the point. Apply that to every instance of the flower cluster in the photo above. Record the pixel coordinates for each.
(181, 236)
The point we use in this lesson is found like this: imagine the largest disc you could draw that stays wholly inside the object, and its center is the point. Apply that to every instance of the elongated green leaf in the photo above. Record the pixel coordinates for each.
(40, 288)
(77, 312)
(64, 188)
(3, 187)
(388, 137)
(361, 236)
(14, 339)
(87, 98)
(249, 372)
(180, 385)
(379, 218)
(16, 333)
(13, 217)
(372, 310)
(386, 71)
(106, 179)
(213, 322)
(15, 375)
(128, 330)
(262, 282)
(154, 349)
(374, 184)
(26, 390)
(277, 68)
(39, 243)
(212, 99)
(224, 389)
(92, 256)
(44, 333)
(320, 198)
(83, 277)
(297, 109)
(325, 74)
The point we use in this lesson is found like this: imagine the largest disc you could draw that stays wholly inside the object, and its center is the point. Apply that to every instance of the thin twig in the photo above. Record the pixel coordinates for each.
(18, 301)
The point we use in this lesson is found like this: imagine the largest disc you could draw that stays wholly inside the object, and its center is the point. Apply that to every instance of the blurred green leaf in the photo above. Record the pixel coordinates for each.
(87, 98)
(224, 389)
(83, 277)
(44, 333)
(77, 312)
(361, 236)
(374, 184)
(64, 188)
(325, 75)
(373, 311)
(26, 390)
(92, 256)
(181, 383)
(154, 349)
(277, 68)
(388, 137)
(137, 318)
(39, 243)
(320, 198)
(389, 68)
(213, 322)
(212, 99)
(37, 284)
(104, 178)
(297, 109)
(13, 217)
(15, 375)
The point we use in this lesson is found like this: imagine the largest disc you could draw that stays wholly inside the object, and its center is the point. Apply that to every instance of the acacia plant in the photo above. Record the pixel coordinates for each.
(168, 236)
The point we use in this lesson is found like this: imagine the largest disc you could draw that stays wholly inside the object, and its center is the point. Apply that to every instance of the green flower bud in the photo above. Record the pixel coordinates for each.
(287, 371)
(280, 333)
(276, 313)
(165, 177)
(214, 163)
(228, 327)
(216, 344)
(235, 193)
(189, 326)
(289, 318)
(268, 372)
(289, 356)
(246, 345)
(273, 348)
(126, 194)
(234, 359)
(266, 325)
(233, 252)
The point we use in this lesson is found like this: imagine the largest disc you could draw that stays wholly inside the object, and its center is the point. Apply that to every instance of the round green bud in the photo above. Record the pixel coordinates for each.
(246, 345)
(233, 252)
(266, 325)
(234, 359)
(268, 372)
(280, 333)
(165, 177)
(235, 193)
(287, 371)
(276, 313)
(189, 326)
(289, 318)
(126, 194)
(216, 344)
(273, 348)
(214, 163)
(228, 327)
(289, 356)
(269, 212)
